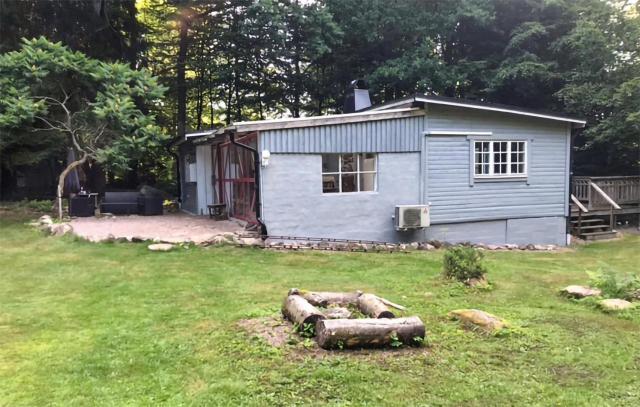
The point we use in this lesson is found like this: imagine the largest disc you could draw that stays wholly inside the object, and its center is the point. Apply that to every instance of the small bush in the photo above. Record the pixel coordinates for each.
(613, 286)
(463, 263)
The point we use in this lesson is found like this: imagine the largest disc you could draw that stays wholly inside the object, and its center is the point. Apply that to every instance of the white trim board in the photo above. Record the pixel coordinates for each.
(458, 133)
(479, 107)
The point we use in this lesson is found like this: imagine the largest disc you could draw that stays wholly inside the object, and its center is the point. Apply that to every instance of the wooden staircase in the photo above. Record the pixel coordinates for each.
(596, 201)
(591, 227)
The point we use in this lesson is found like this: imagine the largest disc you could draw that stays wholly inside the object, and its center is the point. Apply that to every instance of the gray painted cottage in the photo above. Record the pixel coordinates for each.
(485, 173)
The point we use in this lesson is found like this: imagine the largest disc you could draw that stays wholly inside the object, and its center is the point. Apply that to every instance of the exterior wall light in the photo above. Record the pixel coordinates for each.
(266, 155)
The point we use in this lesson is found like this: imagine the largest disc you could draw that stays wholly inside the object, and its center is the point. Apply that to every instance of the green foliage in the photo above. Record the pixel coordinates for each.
(305, 330)
(395, 341)
(463, 263)
(96, 106)
(614, 285)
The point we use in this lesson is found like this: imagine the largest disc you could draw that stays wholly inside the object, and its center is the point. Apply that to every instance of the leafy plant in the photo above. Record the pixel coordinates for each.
(305, 330)
(612, 285)
(395, 341)
(463, 263)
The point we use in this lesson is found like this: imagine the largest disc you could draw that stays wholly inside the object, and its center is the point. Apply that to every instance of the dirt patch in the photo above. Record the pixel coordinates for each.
(274, 331)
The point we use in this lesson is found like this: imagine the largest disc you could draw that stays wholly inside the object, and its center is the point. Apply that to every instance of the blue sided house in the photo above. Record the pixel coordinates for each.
(419, 168)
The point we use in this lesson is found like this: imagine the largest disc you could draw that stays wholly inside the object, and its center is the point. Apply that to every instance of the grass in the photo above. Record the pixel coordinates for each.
(114, 324)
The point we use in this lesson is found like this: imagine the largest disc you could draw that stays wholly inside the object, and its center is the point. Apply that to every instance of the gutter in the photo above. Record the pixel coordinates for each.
(256, 161)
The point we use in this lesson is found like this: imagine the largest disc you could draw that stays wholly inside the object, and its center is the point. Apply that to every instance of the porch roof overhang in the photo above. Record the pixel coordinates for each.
(479, 105)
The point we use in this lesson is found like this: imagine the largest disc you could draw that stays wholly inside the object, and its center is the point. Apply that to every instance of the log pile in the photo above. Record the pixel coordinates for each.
(381, 329)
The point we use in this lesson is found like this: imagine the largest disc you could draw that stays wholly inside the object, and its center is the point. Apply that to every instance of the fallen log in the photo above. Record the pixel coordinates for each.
(371, 305)
(297, 309)
(325, 298)
(313, 298)
(358, 333)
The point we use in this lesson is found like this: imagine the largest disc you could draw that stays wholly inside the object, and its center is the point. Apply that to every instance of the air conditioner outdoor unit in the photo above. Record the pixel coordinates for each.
(412, 217)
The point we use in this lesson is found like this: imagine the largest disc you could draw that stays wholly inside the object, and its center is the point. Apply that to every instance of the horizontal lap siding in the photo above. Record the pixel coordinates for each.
(448, 165)
(381, 136)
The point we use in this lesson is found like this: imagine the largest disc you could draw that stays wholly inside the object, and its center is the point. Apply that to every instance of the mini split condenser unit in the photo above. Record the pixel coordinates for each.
(412, 217)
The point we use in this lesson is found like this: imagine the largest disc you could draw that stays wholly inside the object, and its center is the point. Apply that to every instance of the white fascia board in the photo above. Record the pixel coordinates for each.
(458, 133)
(499, 109)
(199, 134)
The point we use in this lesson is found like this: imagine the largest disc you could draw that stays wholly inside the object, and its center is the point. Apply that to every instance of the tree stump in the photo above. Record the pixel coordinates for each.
(372, 306)
(357, 333)
(298, 310)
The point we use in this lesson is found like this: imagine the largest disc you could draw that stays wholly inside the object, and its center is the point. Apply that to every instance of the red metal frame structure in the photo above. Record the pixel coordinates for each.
(234, 177)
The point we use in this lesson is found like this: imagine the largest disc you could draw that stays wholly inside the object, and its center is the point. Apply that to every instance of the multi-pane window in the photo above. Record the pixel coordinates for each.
(348, 172)
(500, 158)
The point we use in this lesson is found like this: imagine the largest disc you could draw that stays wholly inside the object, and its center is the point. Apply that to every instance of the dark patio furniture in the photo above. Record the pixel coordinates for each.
(120, 203)
(218, 211)
(150, 205)
(82, 206)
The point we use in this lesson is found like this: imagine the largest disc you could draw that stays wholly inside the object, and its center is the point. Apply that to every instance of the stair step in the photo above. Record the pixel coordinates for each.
(610, 234)
(589, 220)
(592, 227)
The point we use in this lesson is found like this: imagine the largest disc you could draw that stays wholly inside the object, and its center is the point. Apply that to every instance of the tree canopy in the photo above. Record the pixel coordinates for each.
(231, 60)
(93, 107)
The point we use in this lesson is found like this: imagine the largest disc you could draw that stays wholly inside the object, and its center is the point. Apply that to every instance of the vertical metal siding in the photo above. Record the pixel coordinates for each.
(381, 136)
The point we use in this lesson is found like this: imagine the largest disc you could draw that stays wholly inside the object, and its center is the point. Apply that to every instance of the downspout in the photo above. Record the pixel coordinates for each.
(256, 163)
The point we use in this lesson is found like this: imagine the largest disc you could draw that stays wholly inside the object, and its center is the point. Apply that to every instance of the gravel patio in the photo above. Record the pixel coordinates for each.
(172, 228)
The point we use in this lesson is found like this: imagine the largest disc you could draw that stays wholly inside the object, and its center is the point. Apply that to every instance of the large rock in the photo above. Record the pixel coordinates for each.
(635, 295)
(160, 247)
(476, 319)
(615, 304)
(60, 229)
(580, 291)
(45, 220)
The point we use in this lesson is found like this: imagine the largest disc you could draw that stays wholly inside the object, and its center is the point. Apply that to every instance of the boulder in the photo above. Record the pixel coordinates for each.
(60, 229)
(414, 246)
(476, 319)
(45, 220)
(160, 247)
(493, 247)
(580, 291)
(615, 304)
(511, 246)
(337, 313)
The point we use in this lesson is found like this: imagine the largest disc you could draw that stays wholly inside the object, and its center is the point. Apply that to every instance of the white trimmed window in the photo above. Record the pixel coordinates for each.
(349, 172)
(500, 159)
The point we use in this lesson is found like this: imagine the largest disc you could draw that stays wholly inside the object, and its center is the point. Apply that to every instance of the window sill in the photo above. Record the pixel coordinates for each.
(501, 179)
(350, 193)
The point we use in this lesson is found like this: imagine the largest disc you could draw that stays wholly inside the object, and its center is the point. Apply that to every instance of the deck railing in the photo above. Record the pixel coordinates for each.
(622, 190)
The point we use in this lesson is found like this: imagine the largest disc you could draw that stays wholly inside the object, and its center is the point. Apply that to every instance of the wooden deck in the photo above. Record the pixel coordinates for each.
(593, 198)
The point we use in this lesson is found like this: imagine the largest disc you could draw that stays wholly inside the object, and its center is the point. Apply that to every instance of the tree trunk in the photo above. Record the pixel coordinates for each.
(298, 310)
(63, 176)
(357, 333)
(181, 85)
(371, 305)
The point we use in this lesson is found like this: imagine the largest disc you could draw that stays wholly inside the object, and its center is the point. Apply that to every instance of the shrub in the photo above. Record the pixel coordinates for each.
(463, 263)
(613, 286)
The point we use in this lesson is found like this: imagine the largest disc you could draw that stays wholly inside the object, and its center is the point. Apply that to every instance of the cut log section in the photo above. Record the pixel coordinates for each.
(371, 305)
(359, 333)
(298, 310)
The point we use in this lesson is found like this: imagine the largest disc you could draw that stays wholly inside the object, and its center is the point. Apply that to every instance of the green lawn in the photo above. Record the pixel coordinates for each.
(114, 324)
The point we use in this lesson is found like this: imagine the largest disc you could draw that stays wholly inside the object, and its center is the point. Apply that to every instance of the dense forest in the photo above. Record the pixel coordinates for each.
(230, 60)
